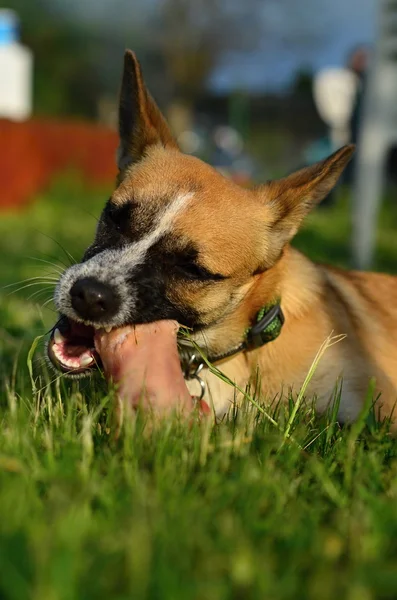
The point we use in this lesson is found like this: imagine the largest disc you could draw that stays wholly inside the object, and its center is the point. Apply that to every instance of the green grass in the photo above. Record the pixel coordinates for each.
(237, 511)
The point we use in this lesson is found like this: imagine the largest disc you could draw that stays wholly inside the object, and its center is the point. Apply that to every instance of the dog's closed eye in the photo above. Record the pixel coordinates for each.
(185, 263)
(193, 271)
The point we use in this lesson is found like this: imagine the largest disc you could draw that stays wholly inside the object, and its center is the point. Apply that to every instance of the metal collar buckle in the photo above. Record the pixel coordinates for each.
(192, 366)
(268, 325)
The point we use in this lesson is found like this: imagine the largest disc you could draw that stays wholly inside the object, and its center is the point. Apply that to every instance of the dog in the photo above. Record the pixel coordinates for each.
(179, 243)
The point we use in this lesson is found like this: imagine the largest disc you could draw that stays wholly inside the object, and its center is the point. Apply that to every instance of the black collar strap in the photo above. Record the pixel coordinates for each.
(267, 327)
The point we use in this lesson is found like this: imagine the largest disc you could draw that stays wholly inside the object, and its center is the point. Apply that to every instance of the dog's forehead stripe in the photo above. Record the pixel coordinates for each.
(110, 266)
(162, 224)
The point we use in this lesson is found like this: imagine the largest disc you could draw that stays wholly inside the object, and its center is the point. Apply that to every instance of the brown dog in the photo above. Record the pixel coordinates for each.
(179, 243)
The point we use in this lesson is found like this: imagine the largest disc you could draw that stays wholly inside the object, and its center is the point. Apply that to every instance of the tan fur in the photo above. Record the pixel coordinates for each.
(317, 301)
(244, 235)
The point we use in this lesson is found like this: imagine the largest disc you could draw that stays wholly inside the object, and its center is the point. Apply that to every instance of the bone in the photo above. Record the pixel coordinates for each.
(143, 362)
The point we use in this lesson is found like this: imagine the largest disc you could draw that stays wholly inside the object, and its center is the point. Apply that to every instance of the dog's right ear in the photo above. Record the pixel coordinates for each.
(141, 123)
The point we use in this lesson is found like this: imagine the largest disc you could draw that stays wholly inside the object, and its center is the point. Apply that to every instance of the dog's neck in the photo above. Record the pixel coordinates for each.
(294, 281)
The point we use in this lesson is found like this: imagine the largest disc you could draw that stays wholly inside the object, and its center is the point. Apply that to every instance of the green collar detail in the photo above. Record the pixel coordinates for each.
(267, 327)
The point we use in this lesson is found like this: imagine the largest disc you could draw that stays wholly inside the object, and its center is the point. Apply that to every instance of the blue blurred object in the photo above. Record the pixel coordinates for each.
(317, 150)
(9, 27)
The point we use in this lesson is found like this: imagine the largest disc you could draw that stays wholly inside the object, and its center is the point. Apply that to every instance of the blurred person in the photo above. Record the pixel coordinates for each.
(358, 63)
(339, 102)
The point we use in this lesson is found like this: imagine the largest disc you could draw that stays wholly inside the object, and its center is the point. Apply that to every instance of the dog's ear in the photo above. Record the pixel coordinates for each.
(141, 123)
(290, 199)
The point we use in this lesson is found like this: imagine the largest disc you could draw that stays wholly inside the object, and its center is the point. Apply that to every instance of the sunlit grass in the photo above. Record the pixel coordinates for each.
(273, 503)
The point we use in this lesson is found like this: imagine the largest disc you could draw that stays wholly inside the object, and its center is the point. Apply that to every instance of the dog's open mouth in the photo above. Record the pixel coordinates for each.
(71, 348)
(142, 360)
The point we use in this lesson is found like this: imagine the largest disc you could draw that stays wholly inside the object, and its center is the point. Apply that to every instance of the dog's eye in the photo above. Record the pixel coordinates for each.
(194, 271)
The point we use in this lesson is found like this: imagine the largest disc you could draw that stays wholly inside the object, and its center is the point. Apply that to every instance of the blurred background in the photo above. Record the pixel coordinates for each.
(257, 88)
(234, 78)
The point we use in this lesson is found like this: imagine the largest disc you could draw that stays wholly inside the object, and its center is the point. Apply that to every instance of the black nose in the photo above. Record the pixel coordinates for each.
(94, 300)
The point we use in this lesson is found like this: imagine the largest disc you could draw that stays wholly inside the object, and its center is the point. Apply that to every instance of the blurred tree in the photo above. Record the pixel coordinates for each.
(78, 45)
(66, 80)
(192, 36)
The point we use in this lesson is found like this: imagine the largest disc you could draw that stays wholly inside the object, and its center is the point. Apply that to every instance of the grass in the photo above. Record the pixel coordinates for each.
(243, 510)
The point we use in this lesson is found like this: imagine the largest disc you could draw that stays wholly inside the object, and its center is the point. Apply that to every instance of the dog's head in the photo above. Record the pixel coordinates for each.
(177, 240)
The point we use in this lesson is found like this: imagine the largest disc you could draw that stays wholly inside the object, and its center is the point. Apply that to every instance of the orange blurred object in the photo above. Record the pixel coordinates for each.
(33, 152)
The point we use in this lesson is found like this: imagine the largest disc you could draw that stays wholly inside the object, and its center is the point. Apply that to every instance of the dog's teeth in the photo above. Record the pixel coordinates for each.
(108, 329)
(85, 361)
(58, 337)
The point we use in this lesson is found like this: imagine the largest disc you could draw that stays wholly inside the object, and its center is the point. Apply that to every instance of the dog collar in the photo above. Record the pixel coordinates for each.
(266, 328)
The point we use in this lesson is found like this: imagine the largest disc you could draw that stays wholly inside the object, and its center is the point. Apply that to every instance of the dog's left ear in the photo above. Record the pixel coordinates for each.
(141, 123)
(290, 199)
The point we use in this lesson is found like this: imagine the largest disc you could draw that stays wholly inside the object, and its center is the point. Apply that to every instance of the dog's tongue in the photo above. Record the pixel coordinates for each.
(143, 361)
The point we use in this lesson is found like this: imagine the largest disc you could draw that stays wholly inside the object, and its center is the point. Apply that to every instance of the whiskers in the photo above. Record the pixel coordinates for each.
(70, 259)
(30, 282)
(36, 292)
(42, 286)
(42, 289)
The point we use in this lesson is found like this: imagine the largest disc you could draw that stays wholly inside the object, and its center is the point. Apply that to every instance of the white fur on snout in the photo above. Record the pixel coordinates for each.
(112, 267)
(106, 269)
